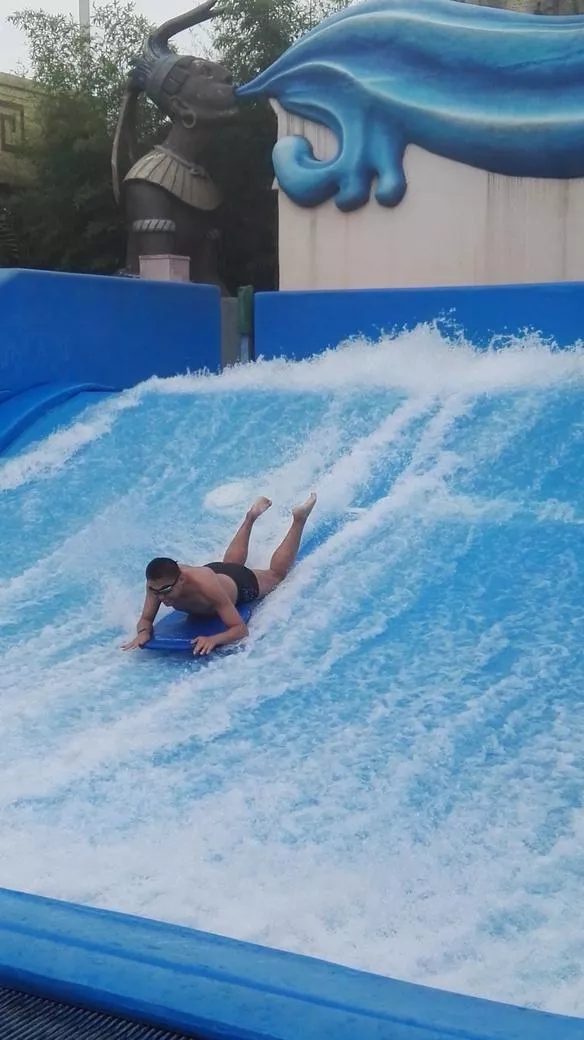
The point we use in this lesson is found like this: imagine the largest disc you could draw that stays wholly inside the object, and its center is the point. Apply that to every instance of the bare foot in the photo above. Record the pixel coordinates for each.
(303, 512)
(259, 507)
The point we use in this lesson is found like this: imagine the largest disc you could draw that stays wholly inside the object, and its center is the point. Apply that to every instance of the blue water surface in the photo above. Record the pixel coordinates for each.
(390, 771)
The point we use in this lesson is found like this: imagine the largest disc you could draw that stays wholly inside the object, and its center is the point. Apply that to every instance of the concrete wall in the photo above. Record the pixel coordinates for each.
(230, 338)
(457, 225)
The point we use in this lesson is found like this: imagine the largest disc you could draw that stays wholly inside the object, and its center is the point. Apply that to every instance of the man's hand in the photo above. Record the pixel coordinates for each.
(139, 641)
(204, 644)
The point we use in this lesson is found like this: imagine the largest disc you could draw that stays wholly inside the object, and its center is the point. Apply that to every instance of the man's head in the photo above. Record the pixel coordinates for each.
(164, 578)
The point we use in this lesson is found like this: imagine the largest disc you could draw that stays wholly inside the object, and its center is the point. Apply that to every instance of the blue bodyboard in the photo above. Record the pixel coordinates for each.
(177, 630)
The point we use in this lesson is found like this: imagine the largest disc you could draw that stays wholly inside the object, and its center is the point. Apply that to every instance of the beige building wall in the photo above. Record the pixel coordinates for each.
(17, 110)
(546, 7)
(456, 226)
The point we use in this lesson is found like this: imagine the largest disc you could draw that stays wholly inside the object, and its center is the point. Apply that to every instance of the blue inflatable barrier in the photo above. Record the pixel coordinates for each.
(103, 329)
(177, 630)
(19, 411)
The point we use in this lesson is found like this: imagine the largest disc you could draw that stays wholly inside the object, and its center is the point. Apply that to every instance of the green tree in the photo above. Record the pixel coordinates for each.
(66, 215)
(250, 35)
(8, 239)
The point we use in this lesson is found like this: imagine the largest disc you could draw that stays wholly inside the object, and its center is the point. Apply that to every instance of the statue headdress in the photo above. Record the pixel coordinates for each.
(159, 73)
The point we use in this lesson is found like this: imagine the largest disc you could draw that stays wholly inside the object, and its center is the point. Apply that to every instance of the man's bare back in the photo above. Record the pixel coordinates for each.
(194, 597)
(217, 588)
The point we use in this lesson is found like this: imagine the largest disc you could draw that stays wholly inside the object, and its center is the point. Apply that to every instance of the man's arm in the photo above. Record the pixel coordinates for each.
(230, 616)
(145, 621)
(149, 610)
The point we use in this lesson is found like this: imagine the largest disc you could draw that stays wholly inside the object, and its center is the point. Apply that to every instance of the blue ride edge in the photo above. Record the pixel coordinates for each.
(214, 987)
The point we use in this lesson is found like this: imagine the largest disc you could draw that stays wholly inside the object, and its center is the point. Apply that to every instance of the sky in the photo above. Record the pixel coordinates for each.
(13, 50)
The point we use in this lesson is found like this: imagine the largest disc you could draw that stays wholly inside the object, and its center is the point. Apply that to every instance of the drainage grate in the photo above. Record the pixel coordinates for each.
(27, 1017)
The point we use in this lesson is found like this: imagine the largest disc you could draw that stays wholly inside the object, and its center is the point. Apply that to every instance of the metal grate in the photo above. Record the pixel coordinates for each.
(27, 1017)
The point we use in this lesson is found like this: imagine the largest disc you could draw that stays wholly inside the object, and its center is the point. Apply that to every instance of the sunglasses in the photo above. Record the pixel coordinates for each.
(165, 589)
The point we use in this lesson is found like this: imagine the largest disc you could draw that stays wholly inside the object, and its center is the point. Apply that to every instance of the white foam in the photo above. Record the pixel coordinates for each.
(378, 802)
(421, 361)
(49, 456)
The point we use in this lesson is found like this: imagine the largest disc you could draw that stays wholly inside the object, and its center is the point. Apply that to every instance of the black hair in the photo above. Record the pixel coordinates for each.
(162, 567)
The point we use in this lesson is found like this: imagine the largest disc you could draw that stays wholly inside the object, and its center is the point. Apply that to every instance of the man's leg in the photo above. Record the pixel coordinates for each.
(286, 553)
(238, 549)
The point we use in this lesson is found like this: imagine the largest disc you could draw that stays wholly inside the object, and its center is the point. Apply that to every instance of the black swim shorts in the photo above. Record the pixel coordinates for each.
(246, 581)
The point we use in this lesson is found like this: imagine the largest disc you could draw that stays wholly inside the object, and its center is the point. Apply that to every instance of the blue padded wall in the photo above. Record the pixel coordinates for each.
(215, 987)
(300, 324)
(111, 331)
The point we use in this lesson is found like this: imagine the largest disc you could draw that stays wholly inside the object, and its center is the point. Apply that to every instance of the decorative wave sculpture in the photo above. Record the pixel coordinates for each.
(495, 89)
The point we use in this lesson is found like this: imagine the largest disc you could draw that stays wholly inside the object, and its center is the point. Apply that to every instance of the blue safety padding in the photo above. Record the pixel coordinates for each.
(218, 987)
(107, 330)
(63, 414)
(20, 410)
(177, 630)
(300, 324)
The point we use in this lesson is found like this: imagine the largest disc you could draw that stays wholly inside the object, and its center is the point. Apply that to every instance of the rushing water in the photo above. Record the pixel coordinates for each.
(390, 772)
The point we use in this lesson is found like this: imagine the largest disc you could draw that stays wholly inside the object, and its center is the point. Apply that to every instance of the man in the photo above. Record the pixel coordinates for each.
(216, 588)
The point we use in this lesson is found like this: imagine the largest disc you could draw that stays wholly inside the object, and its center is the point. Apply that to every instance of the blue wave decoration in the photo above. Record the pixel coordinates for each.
(495, 89)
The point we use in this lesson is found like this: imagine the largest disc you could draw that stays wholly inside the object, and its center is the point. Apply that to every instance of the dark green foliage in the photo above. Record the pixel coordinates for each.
(8, 238)
(66, 215)
(249, 36)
